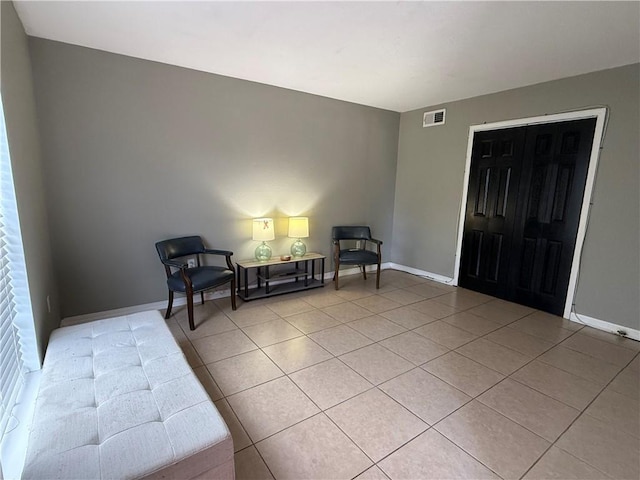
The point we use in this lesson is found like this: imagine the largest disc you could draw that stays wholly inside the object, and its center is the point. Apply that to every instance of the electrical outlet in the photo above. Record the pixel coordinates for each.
(191, 263)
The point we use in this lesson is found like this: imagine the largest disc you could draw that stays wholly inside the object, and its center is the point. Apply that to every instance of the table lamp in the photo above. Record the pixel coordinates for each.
(262, 231)
(298, 228)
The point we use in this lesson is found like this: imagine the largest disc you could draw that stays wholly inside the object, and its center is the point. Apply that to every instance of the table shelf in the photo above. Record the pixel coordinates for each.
(303, 276)
(288, 274)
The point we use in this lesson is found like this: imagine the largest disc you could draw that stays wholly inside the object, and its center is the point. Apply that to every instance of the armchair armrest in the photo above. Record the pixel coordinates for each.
(213, 251)
(175, 264)
(378, 244)
(227, 254)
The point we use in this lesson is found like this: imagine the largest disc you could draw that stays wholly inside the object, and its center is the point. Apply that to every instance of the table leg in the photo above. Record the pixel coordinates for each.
(246, 282)
(266, 279)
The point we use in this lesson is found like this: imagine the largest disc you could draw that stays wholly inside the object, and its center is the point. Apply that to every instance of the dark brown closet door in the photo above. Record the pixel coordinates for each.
(496, 164)
(556, 161)
(523, 209)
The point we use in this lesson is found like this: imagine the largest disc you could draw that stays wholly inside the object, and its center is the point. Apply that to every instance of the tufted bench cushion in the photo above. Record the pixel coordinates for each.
(117, 400)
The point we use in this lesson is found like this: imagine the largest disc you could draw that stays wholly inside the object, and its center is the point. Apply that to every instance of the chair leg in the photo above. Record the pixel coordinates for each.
(335, 278)
(364, 271)
(233, 294)
(378, 277)
(192, 325)
(168, 313)
(202, 297)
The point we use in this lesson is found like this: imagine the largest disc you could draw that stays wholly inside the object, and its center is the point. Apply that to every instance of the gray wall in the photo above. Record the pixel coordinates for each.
(430, 181)
(137, 151)
(24, 147)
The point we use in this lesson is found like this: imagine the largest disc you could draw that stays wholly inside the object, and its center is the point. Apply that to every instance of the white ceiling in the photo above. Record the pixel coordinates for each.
(394, 55)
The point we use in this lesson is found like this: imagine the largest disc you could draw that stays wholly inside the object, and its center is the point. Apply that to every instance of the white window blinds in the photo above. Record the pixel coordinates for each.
(18, 353)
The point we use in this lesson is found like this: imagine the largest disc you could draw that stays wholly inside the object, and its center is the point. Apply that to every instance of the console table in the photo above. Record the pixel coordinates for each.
(275, 276)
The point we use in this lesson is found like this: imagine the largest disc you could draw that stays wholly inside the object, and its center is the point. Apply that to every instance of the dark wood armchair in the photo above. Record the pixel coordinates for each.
(198, 278)
(361, 255)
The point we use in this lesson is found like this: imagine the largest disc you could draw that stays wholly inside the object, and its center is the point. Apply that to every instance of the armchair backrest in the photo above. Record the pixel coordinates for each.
(351, 233)
(179, 247)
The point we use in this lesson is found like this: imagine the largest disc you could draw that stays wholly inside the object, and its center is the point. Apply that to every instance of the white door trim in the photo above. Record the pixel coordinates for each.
(600, 114)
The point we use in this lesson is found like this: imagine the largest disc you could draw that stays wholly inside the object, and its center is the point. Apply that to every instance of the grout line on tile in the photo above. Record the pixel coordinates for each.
(582, 412)
(461, 448)
(321, 411)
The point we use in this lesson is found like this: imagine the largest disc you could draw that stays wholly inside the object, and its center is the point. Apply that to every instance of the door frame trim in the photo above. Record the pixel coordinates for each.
(600, 114)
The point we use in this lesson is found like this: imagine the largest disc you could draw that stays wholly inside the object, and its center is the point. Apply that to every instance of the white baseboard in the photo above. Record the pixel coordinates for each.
(605, 326)
(436, 277)
(145, 307)
(180, 301)
(578, 318)
(356, 270)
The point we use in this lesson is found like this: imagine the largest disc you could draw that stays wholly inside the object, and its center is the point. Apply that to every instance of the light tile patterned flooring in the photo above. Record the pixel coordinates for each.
(416, 380)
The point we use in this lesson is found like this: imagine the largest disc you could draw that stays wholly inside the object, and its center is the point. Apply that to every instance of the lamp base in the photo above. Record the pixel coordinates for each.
(263, 252)
(298, 248)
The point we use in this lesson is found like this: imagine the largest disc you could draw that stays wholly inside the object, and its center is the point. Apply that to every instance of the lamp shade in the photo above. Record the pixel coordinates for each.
(263, 229)
(298, 227)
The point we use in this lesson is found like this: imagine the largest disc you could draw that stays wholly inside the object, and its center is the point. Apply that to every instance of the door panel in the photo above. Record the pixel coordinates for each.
(527, 263)
(551, 268)
(491, 209)
(523, 208)
(495, 257)
(554, 174)
(502, 195)
(475, 253)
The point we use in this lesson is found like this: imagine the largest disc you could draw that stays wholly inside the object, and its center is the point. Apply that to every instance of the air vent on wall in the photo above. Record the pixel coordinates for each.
(436, 117)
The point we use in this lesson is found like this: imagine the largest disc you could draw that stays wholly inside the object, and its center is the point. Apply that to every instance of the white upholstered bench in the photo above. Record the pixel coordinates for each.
(117, 400)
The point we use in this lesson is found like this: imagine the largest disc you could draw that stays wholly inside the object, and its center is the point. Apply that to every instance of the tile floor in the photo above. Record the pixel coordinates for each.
(416, 380)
